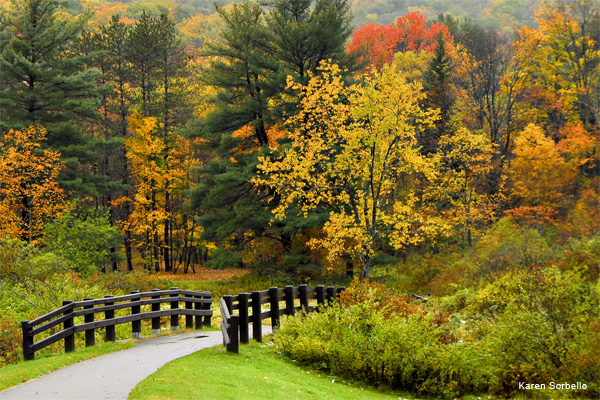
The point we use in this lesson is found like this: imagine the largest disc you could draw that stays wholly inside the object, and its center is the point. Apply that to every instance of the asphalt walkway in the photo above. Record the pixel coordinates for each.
(114, 375)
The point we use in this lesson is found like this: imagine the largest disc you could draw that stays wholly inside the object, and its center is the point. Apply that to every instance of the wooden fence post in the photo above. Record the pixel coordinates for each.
(303, 294)
(289, 300)
(233, 333)
(136, 326)
(206, 306)
(198, 318)
(274, 301)
(243, 307)
(320, 296)
(156, 320)
(27, 341)
(175, 317)
(340, 290)
(69, 340)
(109, 314)
(256, 321)
(90, 334)
(234, 341)
(330, 293)
(189, 319)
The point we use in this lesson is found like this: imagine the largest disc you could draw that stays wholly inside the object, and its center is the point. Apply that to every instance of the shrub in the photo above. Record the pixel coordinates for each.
(10, 338)
(545, 321)
(363, 338)
(91, 251)
(506, 246)
(582, 255)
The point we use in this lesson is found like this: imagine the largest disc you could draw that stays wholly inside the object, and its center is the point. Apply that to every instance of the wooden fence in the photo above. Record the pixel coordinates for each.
(235, 327)
(197, 305)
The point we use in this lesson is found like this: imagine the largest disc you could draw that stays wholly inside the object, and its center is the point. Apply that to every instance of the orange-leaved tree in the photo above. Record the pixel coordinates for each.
(563, 65)
(376, 44)
(540, 180)
(29, 190)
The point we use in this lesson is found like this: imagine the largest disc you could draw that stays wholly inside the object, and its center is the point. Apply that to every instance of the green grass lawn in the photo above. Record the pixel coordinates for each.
(12, 375)
(256, 373)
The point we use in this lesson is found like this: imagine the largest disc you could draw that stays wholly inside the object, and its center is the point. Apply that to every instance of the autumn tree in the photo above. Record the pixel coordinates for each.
(359, 158)
(563, 61)
(172, 67)
(490, 83)
(376, 44)
(458, 192)
(150, 57)
(29, 190)
(198, 29)
(541, 181)
(262, 46)
(145, 151)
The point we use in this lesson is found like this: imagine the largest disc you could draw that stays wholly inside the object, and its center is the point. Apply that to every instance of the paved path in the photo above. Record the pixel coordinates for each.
(114, 375)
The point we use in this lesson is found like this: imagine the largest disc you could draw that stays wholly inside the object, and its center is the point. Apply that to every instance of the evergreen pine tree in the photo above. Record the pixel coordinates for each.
(438, 87)
(46, 83)
(241, 68)
(260, 48)
(107, 52)
(304, 33)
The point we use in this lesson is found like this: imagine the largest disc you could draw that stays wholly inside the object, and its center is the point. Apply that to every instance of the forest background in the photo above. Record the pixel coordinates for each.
(447, 148)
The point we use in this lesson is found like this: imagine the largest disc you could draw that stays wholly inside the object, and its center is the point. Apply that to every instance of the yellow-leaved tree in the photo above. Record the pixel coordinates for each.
(464, 162)
(353, 150)
(145, 152)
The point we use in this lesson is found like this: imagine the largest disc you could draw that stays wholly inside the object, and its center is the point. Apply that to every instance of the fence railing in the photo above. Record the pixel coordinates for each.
(197, 306)
(235, 327)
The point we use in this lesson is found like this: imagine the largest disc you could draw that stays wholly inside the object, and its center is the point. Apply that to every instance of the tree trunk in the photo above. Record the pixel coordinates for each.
(366, 265)
(25, 219)
(112, 250)
(155, 242)
(167, 252)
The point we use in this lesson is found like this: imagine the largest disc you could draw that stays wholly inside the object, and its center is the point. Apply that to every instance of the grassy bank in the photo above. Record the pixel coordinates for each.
(12, 375)
(256, 373)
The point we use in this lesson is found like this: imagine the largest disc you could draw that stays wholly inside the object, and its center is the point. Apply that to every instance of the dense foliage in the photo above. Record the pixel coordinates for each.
(440, 148)
(534, 325)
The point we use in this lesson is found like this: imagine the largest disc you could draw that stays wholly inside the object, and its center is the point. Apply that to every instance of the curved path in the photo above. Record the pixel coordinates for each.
(114, 375)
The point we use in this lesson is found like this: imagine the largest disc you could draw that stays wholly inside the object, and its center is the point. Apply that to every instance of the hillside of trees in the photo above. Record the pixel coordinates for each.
(437, 147)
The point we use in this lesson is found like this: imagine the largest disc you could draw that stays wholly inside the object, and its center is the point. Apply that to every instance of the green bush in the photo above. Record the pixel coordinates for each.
(582, 255)
(33, 282)
(532, 325)
(541, 324)
(506, 246)
(84, 241)
(413, 351)
(10, 338)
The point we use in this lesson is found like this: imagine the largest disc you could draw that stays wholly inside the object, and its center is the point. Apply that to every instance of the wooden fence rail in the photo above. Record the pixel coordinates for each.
(197, 305)
(235, 327)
